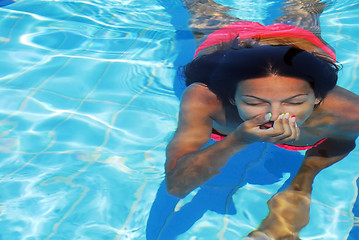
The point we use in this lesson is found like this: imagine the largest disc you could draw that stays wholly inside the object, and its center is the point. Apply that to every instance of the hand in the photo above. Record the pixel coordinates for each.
(259, 129)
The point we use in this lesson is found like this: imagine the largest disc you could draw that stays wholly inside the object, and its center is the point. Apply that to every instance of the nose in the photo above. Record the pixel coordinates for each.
(276, 110)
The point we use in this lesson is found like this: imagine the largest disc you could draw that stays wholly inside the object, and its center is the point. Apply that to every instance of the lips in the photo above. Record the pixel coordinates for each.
(266, 125)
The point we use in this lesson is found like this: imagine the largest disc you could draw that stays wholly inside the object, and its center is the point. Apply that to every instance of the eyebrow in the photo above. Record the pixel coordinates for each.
(290, 98)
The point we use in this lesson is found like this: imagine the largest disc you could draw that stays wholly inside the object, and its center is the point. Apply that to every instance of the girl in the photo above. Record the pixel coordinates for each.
(253, 83)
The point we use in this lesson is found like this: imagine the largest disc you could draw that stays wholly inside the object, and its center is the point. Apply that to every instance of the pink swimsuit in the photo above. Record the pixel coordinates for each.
(217, 136)
(248, 30)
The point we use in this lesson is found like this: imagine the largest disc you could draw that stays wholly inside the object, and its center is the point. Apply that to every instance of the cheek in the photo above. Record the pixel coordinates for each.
(247, 112)
(302, 114)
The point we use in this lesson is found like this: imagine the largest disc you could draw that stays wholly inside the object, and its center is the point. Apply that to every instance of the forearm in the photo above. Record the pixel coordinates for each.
(289, 209)
(193, 169)
(311, 166)
(303, 180)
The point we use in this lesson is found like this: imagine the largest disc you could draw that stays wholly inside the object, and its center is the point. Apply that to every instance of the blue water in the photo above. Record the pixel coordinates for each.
(90, 97)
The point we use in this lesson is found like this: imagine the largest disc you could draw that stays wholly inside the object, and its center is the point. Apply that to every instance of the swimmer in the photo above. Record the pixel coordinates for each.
(252, 83)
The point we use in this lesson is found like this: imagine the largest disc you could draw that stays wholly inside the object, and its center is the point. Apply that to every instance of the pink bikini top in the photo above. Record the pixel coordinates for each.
(217, 136)
(248, 30)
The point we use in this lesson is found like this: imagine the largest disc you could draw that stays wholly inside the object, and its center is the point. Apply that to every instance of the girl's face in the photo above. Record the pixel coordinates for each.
(276, 95)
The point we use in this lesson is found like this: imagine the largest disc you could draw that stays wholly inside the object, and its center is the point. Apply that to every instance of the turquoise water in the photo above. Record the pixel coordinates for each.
(89, 101)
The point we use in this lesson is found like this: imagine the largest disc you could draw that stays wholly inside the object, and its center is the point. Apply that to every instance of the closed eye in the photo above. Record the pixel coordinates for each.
(253, 104)
(296, 103)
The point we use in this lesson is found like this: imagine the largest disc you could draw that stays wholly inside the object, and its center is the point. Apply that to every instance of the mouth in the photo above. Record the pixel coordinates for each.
(267, 125)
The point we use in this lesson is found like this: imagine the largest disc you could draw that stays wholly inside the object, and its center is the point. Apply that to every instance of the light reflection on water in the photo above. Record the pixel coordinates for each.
(86, 111)
(81, 125)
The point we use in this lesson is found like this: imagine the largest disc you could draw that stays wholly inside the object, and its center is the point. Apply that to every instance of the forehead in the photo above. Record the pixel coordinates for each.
(273, 86)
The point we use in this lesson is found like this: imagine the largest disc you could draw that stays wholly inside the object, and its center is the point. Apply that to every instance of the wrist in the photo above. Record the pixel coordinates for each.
(237, 141)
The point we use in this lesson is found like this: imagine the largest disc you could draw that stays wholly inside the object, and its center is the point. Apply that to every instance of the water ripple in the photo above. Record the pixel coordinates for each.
(87, 109)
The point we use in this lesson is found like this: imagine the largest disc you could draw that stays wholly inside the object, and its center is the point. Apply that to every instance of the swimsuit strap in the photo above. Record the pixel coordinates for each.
(217, 136)
(248, 30)
(300, 148)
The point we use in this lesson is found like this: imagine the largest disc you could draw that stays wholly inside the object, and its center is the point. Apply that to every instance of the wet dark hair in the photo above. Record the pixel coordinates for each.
(222, 70)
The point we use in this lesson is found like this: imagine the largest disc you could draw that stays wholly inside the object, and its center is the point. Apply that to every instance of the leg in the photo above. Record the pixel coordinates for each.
(304, 14)
(207, 16)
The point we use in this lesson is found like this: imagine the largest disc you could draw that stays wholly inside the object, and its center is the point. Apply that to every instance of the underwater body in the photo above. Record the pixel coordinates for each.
(90, 99)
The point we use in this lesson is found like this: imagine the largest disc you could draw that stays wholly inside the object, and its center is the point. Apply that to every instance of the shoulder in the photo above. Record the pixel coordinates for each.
(343, 102)
(198, 96)
(341, 107)
(198, 105)
(198, 89)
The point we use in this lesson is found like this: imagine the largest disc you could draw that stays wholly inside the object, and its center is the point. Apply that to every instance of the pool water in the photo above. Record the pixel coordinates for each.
(90, 97)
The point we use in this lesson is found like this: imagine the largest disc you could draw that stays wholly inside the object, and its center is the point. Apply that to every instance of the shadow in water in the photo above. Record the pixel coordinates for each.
(6, 2)
(184, 40)
(260, 164)
(354, 233)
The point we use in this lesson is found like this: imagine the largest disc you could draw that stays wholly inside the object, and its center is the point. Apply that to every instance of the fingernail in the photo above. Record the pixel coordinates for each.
(268, 116)
(286, 115)
(293, 119)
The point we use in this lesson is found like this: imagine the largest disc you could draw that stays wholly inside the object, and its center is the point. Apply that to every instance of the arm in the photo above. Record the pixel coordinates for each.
(187, 165)
(289, 210)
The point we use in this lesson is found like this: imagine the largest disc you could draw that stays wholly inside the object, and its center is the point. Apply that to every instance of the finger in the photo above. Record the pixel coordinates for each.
(294, 130)
(284, 129)
(287, 130)
(278, 128)
(291, 130)
(294, 127)
(260, 119)
(272, 133)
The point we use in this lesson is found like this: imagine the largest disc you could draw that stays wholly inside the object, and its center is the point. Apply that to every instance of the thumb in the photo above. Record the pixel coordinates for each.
(261, 119)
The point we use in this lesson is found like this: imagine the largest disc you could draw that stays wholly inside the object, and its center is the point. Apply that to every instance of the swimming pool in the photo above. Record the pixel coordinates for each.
(89, 101)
